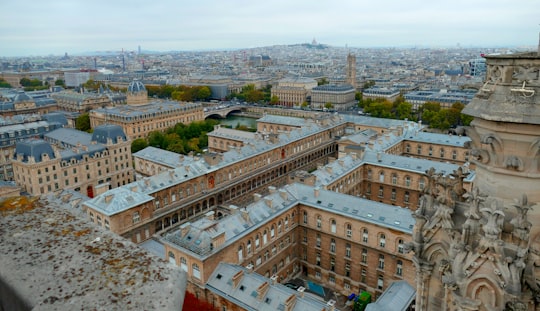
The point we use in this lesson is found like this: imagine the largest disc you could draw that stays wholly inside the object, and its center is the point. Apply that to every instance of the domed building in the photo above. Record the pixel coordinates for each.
(137, 94)
(140, 116)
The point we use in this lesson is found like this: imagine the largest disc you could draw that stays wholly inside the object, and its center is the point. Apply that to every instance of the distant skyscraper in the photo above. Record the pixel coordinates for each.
(351, 70)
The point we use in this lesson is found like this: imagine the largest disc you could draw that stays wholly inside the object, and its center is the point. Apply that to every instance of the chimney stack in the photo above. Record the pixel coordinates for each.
(316, 192)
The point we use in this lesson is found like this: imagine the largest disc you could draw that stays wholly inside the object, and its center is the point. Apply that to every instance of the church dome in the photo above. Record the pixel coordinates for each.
(136, 86)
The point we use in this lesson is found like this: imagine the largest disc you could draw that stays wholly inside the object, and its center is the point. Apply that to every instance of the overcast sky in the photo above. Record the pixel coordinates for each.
(74, 26)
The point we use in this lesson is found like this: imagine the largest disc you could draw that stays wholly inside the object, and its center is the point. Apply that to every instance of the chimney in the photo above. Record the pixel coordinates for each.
(331, 304)
(108, 198)
(329, 169)
(301, 290)
(283, 194)
(268, 201)
(272, 189)
(273, 278)
(256, 197)
(245, 214)
(134, 188)
(290, 302)
(237, 278)
(210, 215)
(316, 192)
(262, 289)
(249, 268)
(353, 155)
(184, 228)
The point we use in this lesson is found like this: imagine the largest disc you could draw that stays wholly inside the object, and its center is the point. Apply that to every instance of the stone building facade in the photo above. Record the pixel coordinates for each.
(341, 97)
(292, 92)
(140, 117)
(70, 159)
(478, 249)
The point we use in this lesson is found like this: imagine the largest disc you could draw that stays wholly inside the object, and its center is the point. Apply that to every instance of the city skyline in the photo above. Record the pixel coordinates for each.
(59, 26)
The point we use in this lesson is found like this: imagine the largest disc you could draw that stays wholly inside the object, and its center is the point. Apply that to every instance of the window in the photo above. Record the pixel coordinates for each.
(382, 240)
(240, 254)
(401, 246)
(454, 155)
(381, 191)
(171, 258)
(347, 286)
(249, 246)
(183, 264)
(319, 222)
(318, 274)
(332, 264)
(381, 177)
(442, 153)
(318, 259)
(318, 244)
(279, 227)
(347, 269)
(394, 179)
(407, 196)
(421, 184)
(399, 268)
(365, 235)
(407, 148)
(257, 241)
(419, 149)
(272, 232)
(363, 275)
(348, 250)
(136, 217)
(265, 237)
(332, 279)
(196, 271)
(369, 174)
(286, 222)
(381, 262)
(333, 246)
(393, 195)
(333, 226)
(380, 282)
(305, 217)
(430, 150)
(407, 181)
(364, 255)
(348, 231)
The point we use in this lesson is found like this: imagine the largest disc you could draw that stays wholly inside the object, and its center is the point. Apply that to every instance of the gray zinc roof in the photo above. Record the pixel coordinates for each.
(245, 293)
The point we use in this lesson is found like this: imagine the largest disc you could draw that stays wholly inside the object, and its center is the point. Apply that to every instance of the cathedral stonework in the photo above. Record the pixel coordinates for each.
(480, 250)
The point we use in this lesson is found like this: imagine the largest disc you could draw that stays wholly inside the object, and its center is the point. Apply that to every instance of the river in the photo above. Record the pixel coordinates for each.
(233, 121)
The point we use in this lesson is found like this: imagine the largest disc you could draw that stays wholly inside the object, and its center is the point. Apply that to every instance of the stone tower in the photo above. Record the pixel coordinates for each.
(137, 94)
(351, 70)
(481, 250)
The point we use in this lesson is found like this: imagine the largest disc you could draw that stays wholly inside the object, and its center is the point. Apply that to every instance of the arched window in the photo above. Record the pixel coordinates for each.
(401, 246)
(333, 226)
(183, 264)
(365, 235)
(249, 247)
(382, 240)
(196, 271)
(348, 230)
(240, 254)
(272, 232)
(265, 236)
(171, 258)
(279, 227)
(257, 241)
(305, 217)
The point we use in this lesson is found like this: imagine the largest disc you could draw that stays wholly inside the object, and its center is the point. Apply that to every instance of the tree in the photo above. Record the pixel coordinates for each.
(304, 105)
(60, 82)
(403, 111)
(328, 105)
(4, 84)
(138, 144)
(368, 84)
(82, 123)
(323, 81)
(274, 100)
(203, 93)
